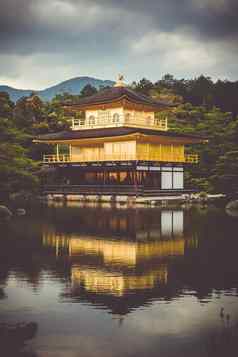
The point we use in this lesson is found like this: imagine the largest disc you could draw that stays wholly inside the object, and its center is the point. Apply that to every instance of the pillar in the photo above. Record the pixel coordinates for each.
(57, 152)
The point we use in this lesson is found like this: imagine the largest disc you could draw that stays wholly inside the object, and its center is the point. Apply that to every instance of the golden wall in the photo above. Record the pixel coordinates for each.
(87, 153)
(128, 150)
(122, 150)
(160, 152)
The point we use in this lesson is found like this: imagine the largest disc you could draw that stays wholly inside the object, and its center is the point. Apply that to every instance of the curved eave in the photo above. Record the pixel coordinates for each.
(115, 134)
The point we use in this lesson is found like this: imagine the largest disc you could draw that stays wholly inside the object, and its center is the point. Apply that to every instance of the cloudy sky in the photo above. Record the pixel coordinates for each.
(43, 42)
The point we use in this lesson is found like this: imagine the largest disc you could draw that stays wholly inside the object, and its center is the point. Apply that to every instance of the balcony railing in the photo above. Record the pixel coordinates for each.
(56, 158)
(120, 120)
(190, 158)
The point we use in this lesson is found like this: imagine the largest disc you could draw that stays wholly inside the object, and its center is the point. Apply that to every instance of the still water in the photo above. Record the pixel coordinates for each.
(97, 281)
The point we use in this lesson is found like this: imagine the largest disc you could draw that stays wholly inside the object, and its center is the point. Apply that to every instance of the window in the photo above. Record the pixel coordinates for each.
(178, 180)
(166, 181)
(91, 120)
(127, 118)
(115, 118)
(172, 178)
(148, 120)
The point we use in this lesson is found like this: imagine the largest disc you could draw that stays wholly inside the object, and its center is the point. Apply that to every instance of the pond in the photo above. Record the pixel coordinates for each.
(111, 282)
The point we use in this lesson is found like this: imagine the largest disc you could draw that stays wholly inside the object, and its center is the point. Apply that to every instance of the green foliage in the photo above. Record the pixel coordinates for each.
(218, 163)
(6, 105)
(19, 123)
(28, 112)
(197, 91)
(226, 172)
(16, 168)
(88, 90)
(143, 86)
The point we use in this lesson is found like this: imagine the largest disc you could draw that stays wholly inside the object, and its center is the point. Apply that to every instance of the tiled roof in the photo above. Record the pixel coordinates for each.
(116, 93)
(110, 132)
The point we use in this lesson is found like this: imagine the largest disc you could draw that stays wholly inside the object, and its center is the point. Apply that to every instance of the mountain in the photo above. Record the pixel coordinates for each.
(14, 93)
(73, 86)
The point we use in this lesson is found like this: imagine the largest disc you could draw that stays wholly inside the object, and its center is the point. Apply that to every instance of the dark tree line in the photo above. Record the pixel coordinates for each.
(197, 91)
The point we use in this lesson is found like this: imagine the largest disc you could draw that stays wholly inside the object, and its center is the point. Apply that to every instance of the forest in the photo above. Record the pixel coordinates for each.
(202, 106)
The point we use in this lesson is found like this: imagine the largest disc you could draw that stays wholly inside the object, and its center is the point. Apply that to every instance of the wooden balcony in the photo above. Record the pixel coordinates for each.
(189, 158)
(131, 120)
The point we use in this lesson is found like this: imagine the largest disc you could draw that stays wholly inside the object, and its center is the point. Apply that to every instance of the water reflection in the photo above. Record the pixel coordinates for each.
(146, 265)
(127, 258)
(223, 341)
(2, 294)
(145, 252)
(13, 339)
(118, 267)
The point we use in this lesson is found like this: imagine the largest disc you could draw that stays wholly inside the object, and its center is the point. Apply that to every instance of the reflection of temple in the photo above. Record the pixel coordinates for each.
(116, 283)
(121, 272)
(122, 259)
(126, 224)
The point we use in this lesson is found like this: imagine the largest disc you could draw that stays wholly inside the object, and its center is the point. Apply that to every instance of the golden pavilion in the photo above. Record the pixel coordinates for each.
(121, 145)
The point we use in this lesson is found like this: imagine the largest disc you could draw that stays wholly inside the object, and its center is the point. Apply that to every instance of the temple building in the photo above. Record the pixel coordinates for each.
(121, 145)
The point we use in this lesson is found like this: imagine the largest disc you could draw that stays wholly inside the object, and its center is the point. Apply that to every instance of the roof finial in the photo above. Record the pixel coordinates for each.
(119, 82)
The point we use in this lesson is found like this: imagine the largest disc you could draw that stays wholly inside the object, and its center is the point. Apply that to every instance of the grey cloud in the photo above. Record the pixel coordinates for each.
(94, 33)
(31, 21)
(52, 26)
(211, 18)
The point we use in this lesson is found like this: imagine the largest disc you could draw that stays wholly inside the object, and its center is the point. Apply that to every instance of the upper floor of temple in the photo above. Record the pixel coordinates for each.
(118, 106)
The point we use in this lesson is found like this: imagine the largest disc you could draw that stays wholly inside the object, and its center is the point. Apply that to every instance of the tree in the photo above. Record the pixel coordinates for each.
(64, 97)
(144, 86)
(200, 91)
(88, 90)
(16, 169)
(6, 105)
(226, 174)
(28, 111)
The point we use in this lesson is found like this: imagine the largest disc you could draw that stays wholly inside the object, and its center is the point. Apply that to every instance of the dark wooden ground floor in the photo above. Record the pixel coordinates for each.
(116, 177)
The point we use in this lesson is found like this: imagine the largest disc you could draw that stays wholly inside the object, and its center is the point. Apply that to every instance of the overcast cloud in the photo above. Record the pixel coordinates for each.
(43, 42)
